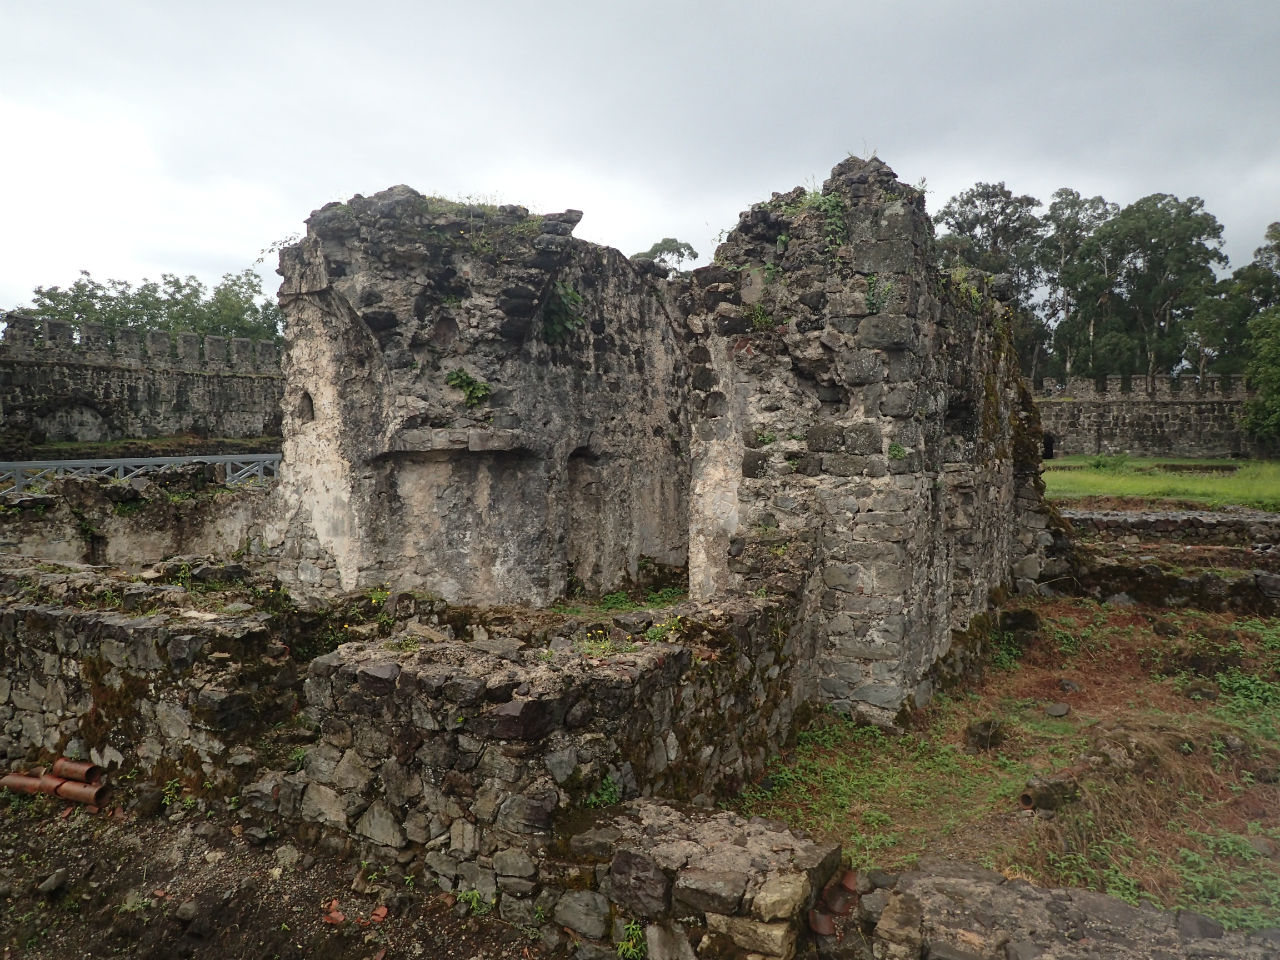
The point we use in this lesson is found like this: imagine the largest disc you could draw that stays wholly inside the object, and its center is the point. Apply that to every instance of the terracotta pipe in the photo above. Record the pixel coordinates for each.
(86, 793)
(19, 783)
(81, 770)
(91, 794)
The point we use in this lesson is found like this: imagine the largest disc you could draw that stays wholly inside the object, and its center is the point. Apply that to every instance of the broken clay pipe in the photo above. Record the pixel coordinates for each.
(80, 770)
(1049, 793)
(86, 793)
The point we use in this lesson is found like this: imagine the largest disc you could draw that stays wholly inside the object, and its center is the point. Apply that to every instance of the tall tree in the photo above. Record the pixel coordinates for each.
(1161, 252)
(1073, 283)
(993, 230)
(669, 252)
(1262, 416)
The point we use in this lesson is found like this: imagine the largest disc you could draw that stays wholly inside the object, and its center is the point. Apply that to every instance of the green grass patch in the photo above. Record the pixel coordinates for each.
(1169, 794)
(886, 799)
(1255, 484)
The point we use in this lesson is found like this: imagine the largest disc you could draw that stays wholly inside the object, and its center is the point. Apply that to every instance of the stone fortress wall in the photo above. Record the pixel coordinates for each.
(1158, 416)
(55, 387)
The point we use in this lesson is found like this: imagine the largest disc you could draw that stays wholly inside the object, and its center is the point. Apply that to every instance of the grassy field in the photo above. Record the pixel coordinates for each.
(1254, 484)
(1172, 742)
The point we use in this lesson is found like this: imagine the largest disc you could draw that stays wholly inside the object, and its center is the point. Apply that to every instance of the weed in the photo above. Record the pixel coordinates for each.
(475, 902)
(606, 795)
(297, 758)
(832, 208)
(562, 313)
(879, 293)
(597, 643)
(897, 451)
(1005, 651)
(474, 391)
(764, 439)
(760, 320)
(172, 790)
(632, 946)
(405, 644)
(661, 631)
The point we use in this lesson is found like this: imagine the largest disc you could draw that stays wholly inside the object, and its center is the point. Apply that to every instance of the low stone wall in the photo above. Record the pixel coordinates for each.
(484, 750)
(181, 510)
(132, 672)
(1256, 592)
(957, 911)
(1246, 527)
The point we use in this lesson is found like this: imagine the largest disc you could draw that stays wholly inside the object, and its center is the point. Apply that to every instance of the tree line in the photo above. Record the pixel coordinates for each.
(234, 307)
(1107, 290)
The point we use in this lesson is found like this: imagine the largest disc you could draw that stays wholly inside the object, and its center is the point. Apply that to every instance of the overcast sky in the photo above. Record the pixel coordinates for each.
(181, 137)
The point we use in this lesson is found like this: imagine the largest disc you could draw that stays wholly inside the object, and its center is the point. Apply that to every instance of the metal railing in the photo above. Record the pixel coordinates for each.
(16, 476)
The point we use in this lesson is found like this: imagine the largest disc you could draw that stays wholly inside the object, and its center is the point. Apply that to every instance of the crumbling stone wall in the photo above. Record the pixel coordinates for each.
(179, 510)
(55, 388)
(1160, 416)
(481, 406)
(478, 405)
(865, 443)
(481, 750)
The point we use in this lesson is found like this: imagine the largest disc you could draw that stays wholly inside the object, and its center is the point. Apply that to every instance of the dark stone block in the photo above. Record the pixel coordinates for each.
(755, 463)
(522, 720)
(886, 332)
(639, 884)
(378, 679)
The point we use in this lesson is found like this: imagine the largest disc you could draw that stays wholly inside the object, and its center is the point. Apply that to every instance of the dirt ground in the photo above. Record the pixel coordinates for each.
(116, 884)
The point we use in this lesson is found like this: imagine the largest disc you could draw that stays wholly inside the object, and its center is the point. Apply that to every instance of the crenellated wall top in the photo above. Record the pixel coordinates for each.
(1114, 389)
(55, 341)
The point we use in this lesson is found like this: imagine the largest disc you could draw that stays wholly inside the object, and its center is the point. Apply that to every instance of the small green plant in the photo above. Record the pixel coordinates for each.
(760, 319)
(172, 790)
(562, 313)
(475, 902)
(665, 597)
(606, 795)
(297, 758)
(897, 451)
(661, 631)
(632, 946)
(617, 601)
(379, 595)
(832, 208)
(474, 391)
(597, 643)
(1005, 651)
(878, 293)
(766, 438)
(405, 644)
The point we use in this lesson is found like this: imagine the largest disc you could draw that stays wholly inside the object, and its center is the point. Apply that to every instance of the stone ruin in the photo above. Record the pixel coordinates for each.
(818, 435)
(483, 408)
